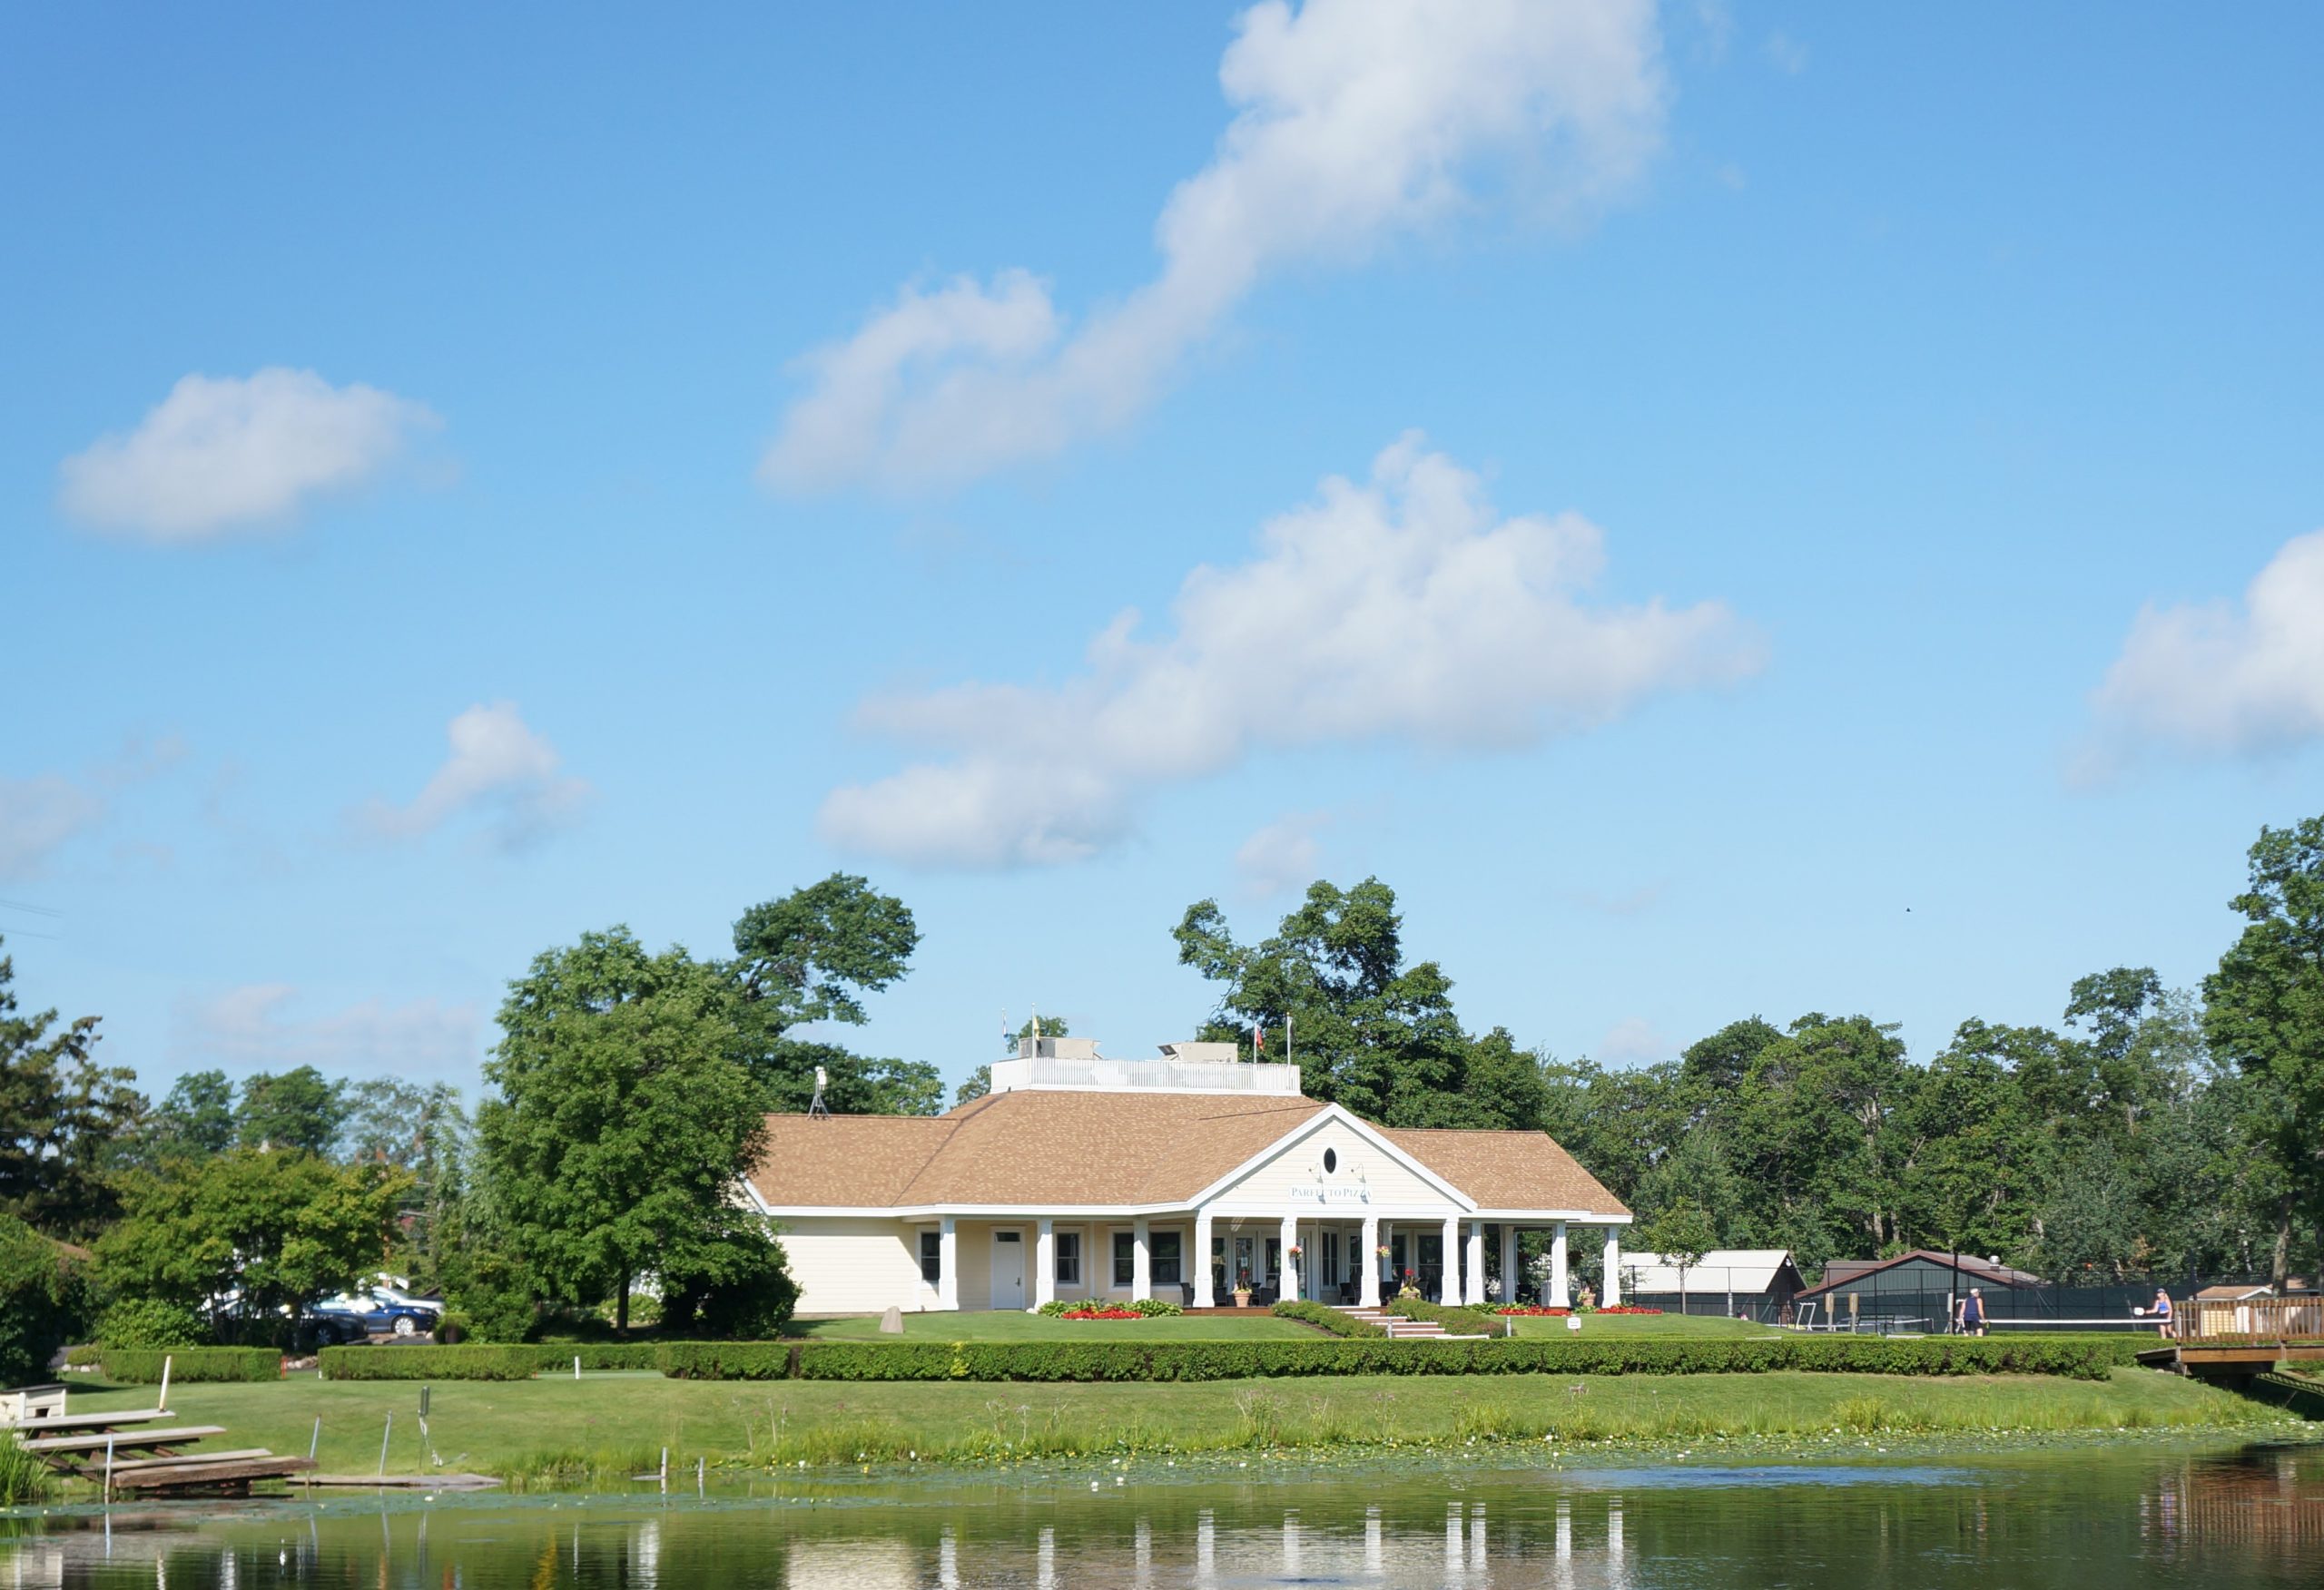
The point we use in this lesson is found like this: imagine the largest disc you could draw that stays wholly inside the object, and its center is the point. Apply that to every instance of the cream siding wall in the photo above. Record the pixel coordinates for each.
(1284, 1183)
(855, 1266)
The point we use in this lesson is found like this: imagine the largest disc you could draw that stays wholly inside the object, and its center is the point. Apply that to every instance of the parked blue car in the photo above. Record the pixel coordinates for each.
(357, 1317)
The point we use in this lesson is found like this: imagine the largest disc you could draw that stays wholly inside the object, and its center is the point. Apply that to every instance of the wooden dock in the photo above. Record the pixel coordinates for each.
(131, 1452)
(2234, 1341)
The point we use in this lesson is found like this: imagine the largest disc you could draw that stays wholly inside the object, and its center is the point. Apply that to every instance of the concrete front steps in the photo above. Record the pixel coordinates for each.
(1403, 1329)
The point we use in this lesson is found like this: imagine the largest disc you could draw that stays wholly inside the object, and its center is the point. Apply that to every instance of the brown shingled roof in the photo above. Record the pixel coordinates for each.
(1507, 1170)
(1025, 1147)
(1067, 1149)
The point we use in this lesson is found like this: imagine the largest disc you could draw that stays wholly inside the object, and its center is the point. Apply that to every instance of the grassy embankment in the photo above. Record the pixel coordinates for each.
(603, 1427)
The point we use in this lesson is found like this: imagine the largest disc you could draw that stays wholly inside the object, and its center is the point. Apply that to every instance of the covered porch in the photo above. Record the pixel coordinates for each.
(1363, 1262)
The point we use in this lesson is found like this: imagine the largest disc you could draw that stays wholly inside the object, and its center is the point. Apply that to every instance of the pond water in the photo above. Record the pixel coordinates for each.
(2113, 1515)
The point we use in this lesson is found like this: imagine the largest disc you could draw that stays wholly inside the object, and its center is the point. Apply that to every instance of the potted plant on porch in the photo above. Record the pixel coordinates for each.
(1241, 1289)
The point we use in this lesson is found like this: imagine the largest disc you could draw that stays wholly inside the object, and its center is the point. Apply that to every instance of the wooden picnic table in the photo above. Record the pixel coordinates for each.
(126, 1440)
(88, 1421)
(149, 1464)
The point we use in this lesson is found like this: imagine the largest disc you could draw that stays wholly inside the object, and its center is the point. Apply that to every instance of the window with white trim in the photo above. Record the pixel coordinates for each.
(931, 1258)
(1068, 1258)
(1125, 1259)
(1165, 1260)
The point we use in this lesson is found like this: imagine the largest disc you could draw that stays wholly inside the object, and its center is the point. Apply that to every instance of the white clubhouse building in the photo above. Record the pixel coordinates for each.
(1079, 1177)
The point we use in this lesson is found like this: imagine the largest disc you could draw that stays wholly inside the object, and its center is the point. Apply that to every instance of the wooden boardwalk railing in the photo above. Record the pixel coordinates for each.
(2198, 1320)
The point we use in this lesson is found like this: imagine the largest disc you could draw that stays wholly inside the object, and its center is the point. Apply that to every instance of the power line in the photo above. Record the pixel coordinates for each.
(36, 910)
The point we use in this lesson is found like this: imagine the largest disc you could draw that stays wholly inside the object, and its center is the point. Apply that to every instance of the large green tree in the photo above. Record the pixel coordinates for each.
(809, 958)
(299, 1108)
(36, 1311)
(2266, 1015)
(193, 1120)
(1368, 1030)
(60, 1115)
(623, 1109)
(251, 1233)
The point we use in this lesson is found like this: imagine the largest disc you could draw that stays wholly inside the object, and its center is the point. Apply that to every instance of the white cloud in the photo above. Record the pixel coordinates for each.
(2220, 678)
(500, 768)
(1634, 1042)
(1283, 855)
(38, 816)
(218, 454)
(252, 1028)
(1405, 609)
(1355, 122)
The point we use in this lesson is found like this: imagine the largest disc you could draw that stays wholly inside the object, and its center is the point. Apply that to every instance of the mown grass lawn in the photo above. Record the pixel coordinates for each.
(1012, 1326)
(604, 1426)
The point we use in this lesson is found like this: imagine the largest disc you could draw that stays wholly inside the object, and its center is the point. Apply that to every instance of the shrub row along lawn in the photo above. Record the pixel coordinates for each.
(190, 1365)
(602, 1429)
(2081, 1356)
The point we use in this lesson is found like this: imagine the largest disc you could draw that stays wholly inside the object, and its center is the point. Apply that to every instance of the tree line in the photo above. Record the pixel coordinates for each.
(2148, 1132)
(626, 1091)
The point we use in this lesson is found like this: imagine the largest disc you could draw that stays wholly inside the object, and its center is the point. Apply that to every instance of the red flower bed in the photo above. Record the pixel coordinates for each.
(1528, 1311)
(1101, 1314)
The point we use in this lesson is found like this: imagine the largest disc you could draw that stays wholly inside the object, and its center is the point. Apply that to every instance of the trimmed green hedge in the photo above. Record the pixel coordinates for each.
(142, 1366)
(428, 1363)
(384, 1362)
(760, 1361)
(548, 1357)
(1325, 1317)
(2083, 1359)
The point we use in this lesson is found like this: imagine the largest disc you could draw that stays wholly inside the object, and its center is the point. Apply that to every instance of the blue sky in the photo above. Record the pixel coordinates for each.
(470, 479)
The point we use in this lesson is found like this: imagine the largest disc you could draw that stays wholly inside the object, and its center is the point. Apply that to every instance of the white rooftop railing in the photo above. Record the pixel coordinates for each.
(1096, 1075)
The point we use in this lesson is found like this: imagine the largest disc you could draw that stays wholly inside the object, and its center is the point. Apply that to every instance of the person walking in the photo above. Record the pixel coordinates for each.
(1973, 1313)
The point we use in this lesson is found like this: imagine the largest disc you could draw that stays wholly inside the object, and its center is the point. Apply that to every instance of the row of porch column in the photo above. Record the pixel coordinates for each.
(1464, 1279)
(1464, 1276)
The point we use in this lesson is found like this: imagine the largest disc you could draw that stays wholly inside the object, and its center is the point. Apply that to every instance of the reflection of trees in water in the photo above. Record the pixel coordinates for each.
(2264, 1503)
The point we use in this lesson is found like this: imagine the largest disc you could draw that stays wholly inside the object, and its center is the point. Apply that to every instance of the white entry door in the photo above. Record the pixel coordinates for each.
(1008, 1270)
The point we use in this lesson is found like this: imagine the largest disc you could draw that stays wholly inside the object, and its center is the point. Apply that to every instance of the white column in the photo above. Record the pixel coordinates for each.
(1141, 1270)
(1203, 1298)
(1367, 1294)
(948, 1265)
(1473, 1265)
(1559, 1297)
(1448, 1289)
(1043, 1262)
(1509, 1279)
(1611, 1292)
(1289, 1291)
